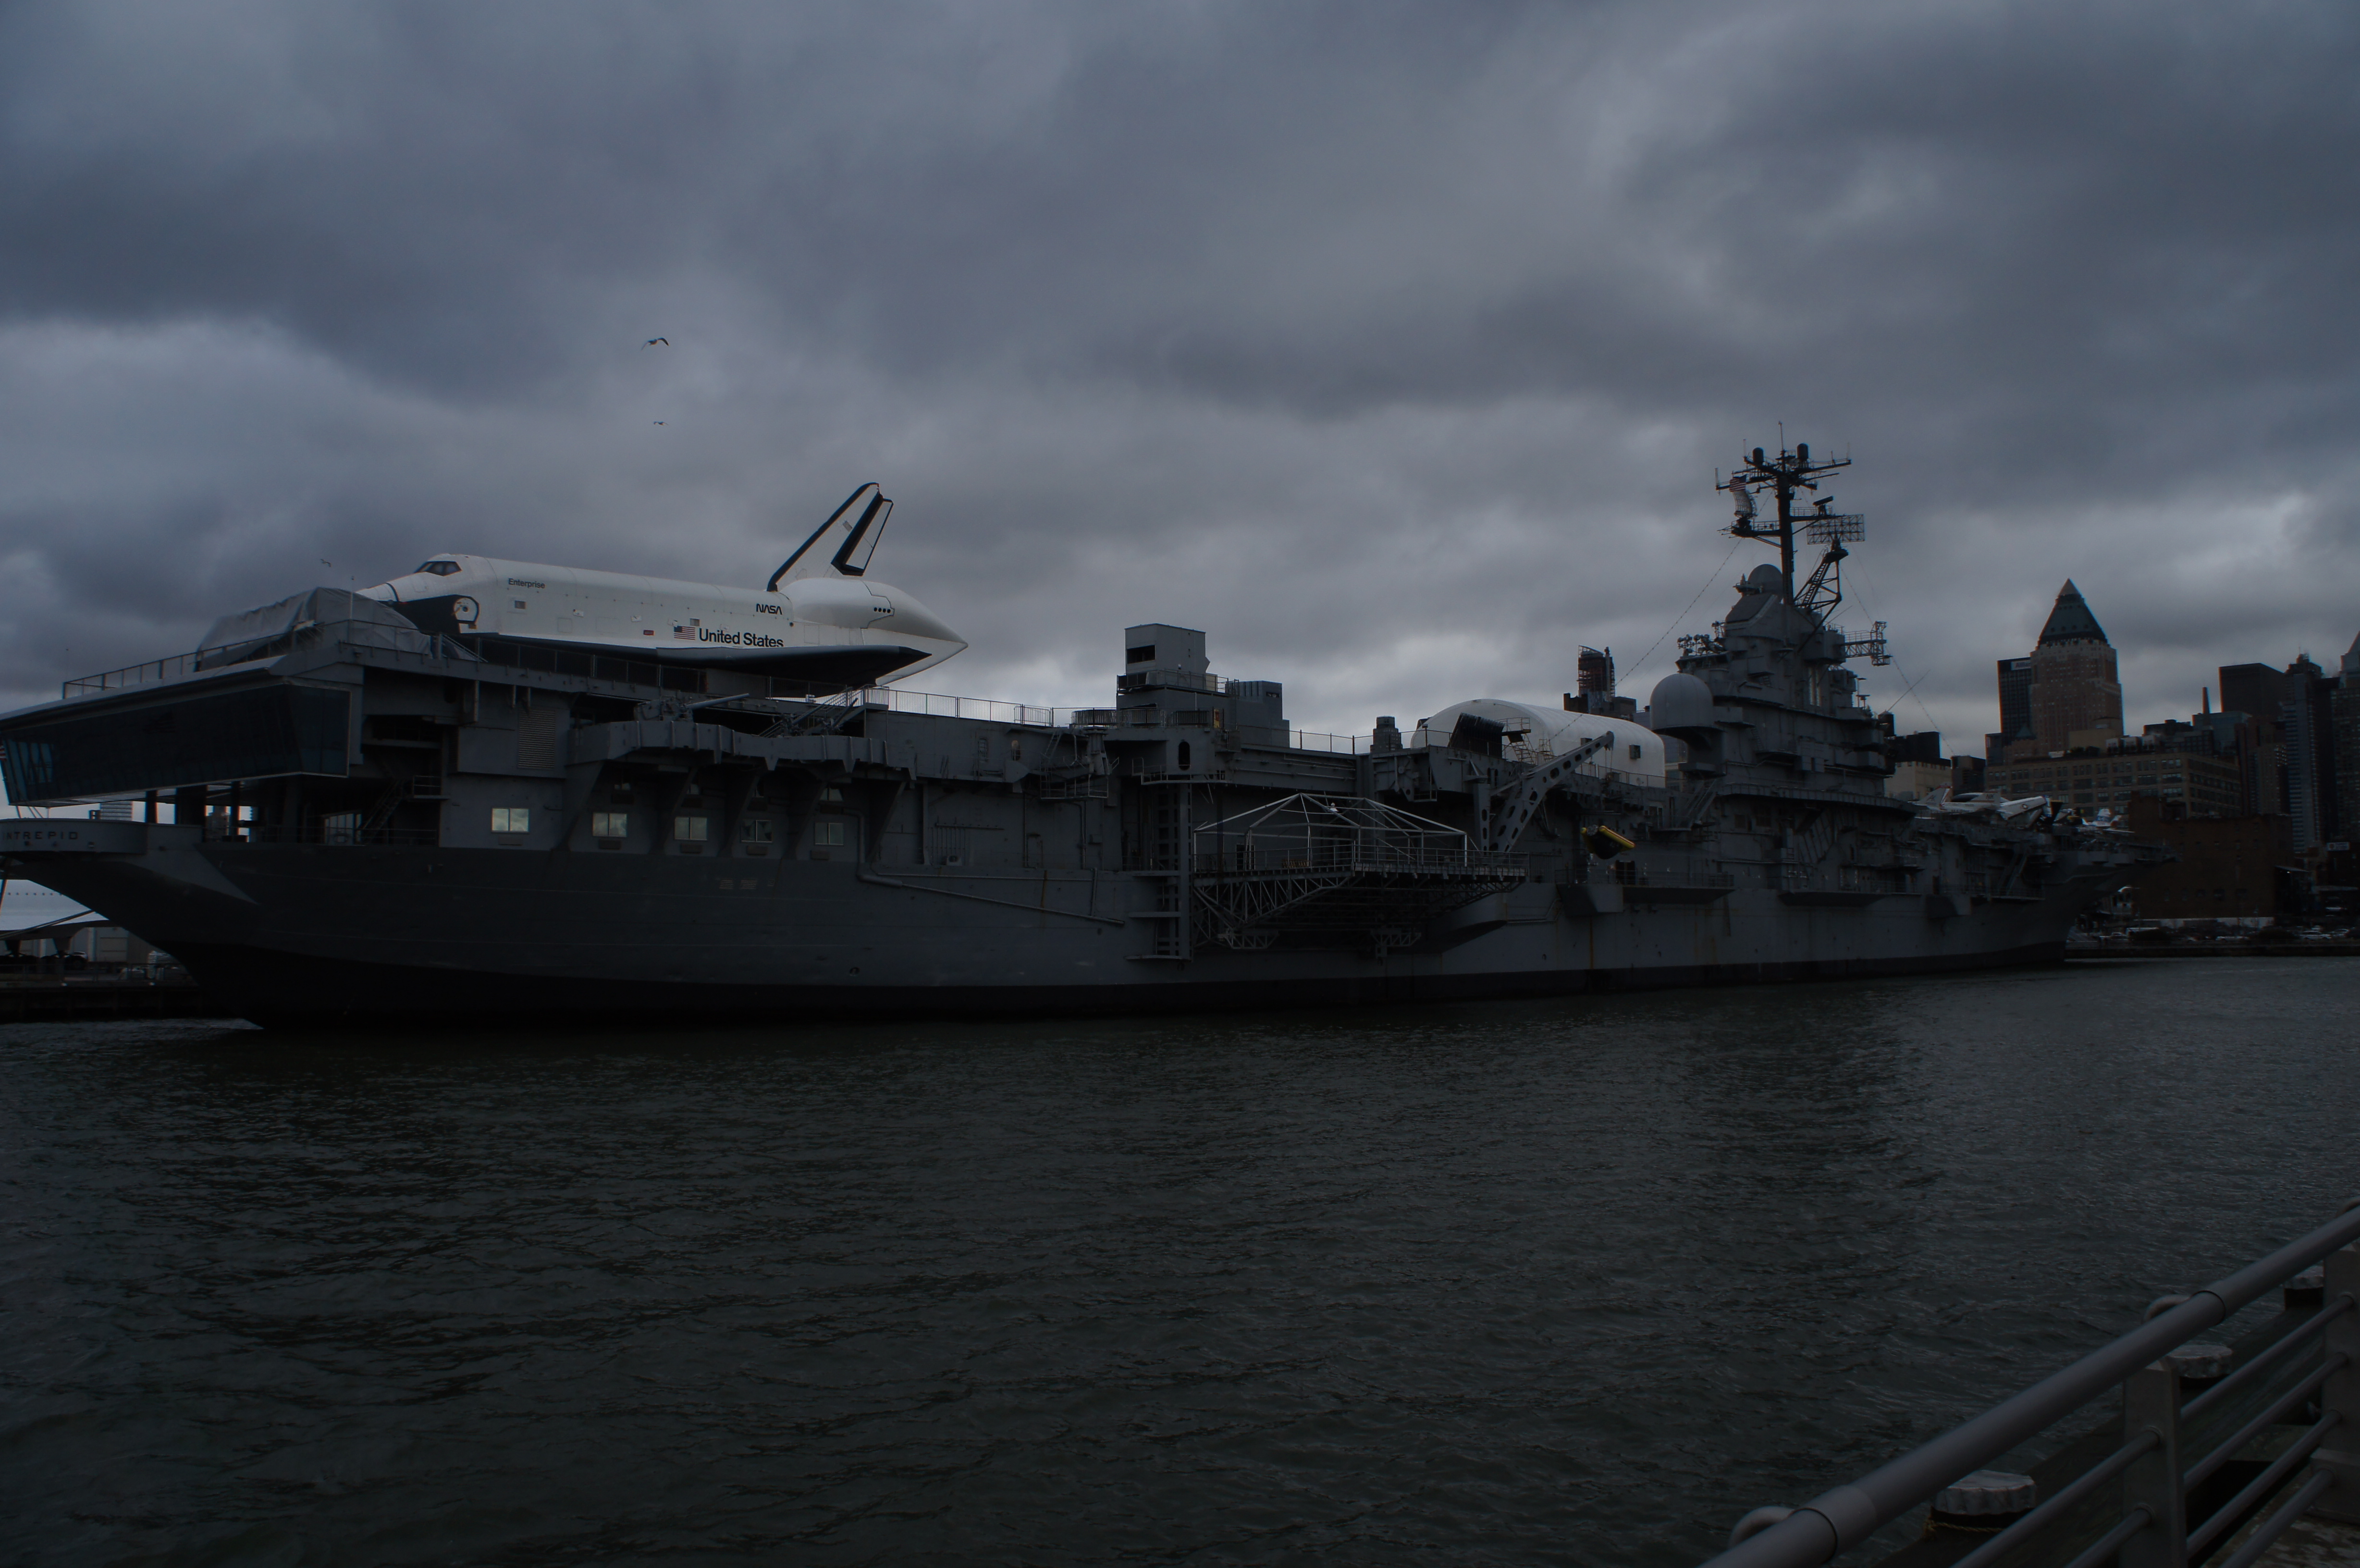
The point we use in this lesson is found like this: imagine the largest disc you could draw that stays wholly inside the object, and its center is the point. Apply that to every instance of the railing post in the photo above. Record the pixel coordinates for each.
(2151, 1403)
(2339, 1456)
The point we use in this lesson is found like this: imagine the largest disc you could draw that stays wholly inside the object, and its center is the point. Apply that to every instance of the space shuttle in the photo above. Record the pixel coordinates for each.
(820, 617)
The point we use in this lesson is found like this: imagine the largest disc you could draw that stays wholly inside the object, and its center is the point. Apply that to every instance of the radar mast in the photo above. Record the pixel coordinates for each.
(1783, 476)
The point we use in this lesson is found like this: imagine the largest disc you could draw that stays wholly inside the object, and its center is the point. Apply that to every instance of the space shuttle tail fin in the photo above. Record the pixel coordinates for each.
(841, 546)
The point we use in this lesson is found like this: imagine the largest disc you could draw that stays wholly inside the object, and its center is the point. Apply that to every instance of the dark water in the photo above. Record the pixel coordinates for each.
(1574, 1282)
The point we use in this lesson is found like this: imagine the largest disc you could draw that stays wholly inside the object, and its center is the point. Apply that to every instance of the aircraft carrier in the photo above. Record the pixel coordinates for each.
(490, 791)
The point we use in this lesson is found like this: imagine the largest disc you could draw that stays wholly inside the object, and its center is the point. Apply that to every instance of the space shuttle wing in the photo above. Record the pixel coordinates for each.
(841, 546)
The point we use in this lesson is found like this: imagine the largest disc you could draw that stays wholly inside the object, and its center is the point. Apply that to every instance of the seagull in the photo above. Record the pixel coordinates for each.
(653, 342)
(659, 422)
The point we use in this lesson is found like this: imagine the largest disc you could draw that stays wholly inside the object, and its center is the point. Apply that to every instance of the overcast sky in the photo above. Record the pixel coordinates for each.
(1394, 346)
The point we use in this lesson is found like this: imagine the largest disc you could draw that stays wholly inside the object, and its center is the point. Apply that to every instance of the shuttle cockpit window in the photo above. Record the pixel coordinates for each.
(441, 568)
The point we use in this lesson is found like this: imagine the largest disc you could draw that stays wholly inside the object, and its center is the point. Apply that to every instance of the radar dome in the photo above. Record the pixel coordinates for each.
(1682, 705)
(1754, 594)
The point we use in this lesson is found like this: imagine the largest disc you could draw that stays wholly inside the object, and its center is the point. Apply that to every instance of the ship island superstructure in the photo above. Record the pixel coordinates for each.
(381, 811)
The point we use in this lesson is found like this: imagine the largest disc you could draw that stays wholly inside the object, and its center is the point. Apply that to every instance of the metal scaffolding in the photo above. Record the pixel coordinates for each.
(1338, 866)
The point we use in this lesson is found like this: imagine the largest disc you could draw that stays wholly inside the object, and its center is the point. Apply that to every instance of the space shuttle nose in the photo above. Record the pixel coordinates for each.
(914, 619)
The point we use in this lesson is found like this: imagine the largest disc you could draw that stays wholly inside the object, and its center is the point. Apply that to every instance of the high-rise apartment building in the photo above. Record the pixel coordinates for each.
(2343, 719)
(2015, 709)
(2294, 767)
(2310, 754)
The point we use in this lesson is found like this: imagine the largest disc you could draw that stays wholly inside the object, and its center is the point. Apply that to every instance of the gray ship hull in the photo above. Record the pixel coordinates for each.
(295, 934)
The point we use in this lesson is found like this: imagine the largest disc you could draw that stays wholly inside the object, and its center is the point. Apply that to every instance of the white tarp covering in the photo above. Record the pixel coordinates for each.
(252, 634)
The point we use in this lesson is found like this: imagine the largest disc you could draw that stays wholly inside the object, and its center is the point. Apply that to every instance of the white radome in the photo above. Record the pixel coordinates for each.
(1637, 752)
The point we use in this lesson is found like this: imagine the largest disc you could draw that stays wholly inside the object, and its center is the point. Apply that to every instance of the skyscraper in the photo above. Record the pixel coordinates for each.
(2309, 753)
(2258, 693)
(2299, 748)
(2073, 686)
(2343, 717)
(2015, 709)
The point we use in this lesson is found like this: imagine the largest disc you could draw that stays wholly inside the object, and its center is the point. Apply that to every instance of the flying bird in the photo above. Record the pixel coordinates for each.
(653, 342)
(659, 422)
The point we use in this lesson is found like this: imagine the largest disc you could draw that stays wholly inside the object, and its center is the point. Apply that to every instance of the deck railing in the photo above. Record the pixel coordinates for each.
(936, 704)
(894, 699)
(205, 659)
(1359, 852)
(135, 674)
(2189, 1411)
(327, 832)
(498, 652)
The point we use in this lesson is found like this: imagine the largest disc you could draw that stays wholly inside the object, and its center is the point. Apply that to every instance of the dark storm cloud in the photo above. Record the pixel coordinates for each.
(1396, 346)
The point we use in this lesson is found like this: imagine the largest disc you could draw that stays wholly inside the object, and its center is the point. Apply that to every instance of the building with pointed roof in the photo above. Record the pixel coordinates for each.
(2074, 694)
(2070, 620)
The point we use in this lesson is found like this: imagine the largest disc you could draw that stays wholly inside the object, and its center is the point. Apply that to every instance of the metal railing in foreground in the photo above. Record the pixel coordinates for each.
(2171, 1447)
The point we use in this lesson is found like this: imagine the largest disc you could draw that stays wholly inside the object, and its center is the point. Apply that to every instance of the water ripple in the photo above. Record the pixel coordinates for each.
(1575, 1281)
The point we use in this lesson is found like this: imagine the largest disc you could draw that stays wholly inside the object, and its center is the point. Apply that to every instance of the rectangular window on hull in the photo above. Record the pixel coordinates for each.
(828, 835)
(610, 825)
(512, 819)
(688, 830)
(756, 829)
(266, 733)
